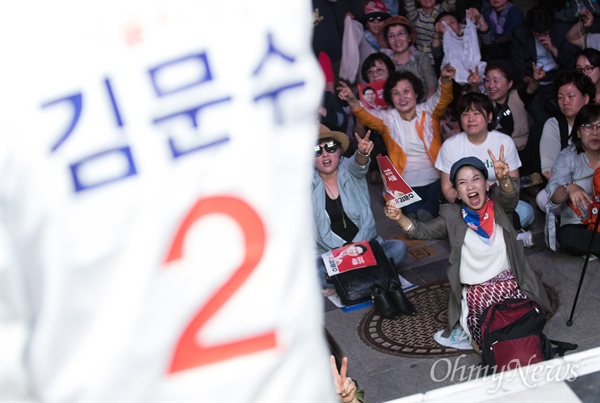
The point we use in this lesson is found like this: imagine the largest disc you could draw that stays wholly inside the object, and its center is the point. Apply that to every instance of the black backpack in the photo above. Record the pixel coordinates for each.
(512, 336)
(354, 287)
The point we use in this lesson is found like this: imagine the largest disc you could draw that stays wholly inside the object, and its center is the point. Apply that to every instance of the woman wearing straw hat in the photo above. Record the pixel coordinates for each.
(341, 201)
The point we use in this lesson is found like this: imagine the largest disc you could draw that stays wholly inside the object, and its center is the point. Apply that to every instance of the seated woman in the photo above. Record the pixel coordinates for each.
(510, 104)
(376, 67)
(574, 90)
(487, 263)
(570, 185)
(476, 116)
(510, 110)
(341, 201)
(401, 36)
(411, 132)
(588, 63)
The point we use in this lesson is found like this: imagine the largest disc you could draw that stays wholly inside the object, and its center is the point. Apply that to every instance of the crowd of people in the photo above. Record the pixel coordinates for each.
(466, 79)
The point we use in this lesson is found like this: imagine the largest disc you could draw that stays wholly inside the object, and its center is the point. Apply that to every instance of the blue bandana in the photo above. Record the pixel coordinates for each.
(482, 221)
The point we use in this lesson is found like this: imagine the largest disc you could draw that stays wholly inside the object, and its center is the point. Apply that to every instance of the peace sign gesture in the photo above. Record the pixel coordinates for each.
(344, 386)
(364, 145)
(501, 168)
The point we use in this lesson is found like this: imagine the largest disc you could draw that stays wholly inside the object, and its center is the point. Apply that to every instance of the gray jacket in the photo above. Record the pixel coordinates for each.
(451, 226)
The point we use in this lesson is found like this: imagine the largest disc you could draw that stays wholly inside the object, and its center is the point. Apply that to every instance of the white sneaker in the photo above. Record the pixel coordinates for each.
(458, 339)
(526, 237)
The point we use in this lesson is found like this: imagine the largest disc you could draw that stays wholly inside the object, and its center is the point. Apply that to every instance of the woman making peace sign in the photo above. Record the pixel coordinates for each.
(487, 262)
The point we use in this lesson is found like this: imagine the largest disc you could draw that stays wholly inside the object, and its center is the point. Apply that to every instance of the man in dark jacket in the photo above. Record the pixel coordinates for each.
(542, 40)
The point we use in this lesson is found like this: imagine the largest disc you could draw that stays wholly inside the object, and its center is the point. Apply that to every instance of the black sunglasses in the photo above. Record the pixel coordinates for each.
(378, 18)
(330, 147)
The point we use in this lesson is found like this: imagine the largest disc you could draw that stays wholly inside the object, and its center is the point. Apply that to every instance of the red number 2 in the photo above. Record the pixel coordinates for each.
(188, 353)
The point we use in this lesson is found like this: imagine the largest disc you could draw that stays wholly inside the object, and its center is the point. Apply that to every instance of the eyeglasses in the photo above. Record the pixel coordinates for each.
(330, 147)
(378, 18)
(398, 35)
(589, 127)
(586, 69)
(374, 71)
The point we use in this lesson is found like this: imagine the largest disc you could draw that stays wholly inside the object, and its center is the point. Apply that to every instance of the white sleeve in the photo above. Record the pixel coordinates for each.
(592, 40)
(549, 144)
(511, 155)
(444, 161)
(13, 328)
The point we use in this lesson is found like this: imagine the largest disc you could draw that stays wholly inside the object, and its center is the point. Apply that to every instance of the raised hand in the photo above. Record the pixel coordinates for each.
(501, 168)
(344, 386)
(364, 145)
(439, 28)
(586, 18)
(474, 80)
(447, 74)
(345, 93)
(474, 15)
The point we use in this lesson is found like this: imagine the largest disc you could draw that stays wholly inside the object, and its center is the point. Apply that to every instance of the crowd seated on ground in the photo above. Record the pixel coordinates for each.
(523, 93)
(526, 55)
(574, 90)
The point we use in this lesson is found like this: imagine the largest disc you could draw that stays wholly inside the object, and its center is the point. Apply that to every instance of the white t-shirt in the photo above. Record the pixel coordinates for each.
(420, 171)
(592, 40)
(459, 146)
(146, 252)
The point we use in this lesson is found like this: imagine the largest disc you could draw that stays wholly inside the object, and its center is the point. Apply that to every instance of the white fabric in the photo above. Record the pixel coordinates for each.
(420, 171)
(458, 338)
(550, 144)
(95, 296)
(464, 313)
(481, 262)
(350, 63)
(592, 40)
(462, 52)
(459, 146)
(544, 57)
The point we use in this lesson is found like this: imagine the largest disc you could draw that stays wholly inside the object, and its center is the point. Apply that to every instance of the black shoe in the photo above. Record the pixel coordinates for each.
(383, 303)
(399, 299)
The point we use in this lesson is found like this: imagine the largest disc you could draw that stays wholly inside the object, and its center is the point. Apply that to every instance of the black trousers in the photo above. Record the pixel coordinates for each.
(575, 239)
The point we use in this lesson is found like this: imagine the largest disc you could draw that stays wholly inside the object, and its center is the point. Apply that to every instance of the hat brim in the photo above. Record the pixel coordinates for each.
(467, 161)
(340, 137)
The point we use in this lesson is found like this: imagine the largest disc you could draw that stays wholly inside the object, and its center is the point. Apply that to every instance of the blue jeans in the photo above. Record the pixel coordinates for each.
(430, 200)
(526, 213)
(395, 250)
